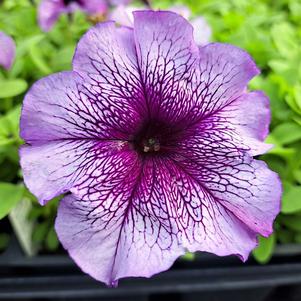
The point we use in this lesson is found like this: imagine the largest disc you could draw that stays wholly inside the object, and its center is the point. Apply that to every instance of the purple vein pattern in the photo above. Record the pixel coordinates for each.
(153, 138)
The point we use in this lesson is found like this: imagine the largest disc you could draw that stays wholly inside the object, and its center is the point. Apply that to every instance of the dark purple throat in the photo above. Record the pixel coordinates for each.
(155, 137)
(67, 2)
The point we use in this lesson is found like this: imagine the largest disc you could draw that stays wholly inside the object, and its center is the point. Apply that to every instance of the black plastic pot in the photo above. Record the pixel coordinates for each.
(55, 277)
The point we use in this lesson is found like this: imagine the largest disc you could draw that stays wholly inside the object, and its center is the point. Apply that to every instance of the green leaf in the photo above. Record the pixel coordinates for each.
(297, 119)
(291, 199)
(287, 132)
(291, 101)
(297, 94)
(285, 236)
(63, 59)
(9, 127)
(38, 59)
(189, 256)
(4, 240)
(285, 39)
(297, 175)
(295, 9)
(52, 242)
(284, 152)
(264, 251)
(292, 222)
(287, 153)
(28, 42)
(10, 195)
(13, 116)
(297, 238)
(40, 232)
(12, 87)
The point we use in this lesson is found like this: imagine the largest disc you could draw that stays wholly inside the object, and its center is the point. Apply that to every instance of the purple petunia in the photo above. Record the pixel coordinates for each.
(153, 139)
(7, 51)
(50, 10)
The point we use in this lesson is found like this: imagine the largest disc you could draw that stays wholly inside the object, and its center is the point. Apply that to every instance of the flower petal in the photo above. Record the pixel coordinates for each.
(220, 77)
(63, 106)
(225, 71)
(204, 223)
(120, 234)
(48, 13)
(139, 225)
(106, 58)
(7, 51)
(166, 55)
(78, 165)
(244, 186)
(251, 191)
(248, 119)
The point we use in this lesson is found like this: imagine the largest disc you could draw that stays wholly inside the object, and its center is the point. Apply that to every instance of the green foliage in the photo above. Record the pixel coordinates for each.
(12, 87)
(264, 251)
(269, 30)
(291, 201)
(286, 133)
(10, 195)
(4, 240)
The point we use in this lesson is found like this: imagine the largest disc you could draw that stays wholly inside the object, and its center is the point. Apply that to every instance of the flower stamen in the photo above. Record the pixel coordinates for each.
(151, 145)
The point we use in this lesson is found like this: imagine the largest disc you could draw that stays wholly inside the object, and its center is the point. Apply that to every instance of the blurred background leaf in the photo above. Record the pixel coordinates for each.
(10, 195)
(265, 248)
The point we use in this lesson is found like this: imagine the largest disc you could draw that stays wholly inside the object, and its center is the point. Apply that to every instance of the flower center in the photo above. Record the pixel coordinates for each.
(151, 145)
(153, 137)
(67, 2)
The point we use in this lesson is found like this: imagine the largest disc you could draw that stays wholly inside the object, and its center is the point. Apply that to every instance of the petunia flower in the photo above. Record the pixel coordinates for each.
(123, 15)
(7, 51)
(152, 138)
(50, 10)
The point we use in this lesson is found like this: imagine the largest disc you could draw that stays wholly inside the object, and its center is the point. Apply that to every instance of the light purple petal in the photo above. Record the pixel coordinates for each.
(94, 6)
(63, 106)
(244, 186)
(165, 47)
(204, 223)
(7, 51)
(248, 119)
(74, 165)
(68, 107)
(167, 56)
(106, 58)
(201, 31)
(139, 226)
(118, 235)
(225, 71)
(48, 13)
(60, 114)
